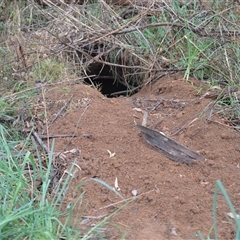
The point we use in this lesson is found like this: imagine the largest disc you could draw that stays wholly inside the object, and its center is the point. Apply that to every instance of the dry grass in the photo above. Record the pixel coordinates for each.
(134, 45)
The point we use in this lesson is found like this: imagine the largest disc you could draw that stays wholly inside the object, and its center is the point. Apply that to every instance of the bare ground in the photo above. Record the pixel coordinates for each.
(174, 200)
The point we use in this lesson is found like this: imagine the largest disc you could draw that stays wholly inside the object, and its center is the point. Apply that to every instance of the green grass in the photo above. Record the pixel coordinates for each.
(235, 222)
(33, 211)
(209, 57)
(27, 211)
(49, 70)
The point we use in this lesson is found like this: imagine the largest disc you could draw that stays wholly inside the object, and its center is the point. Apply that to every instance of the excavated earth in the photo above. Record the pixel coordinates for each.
(174, 200)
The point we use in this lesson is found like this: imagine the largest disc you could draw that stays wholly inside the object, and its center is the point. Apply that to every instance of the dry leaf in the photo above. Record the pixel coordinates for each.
(111, 154)
(232, 216)
(116, 184)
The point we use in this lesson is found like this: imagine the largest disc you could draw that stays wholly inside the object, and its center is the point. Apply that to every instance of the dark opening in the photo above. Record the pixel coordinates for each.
(110, 81)
(106, 83)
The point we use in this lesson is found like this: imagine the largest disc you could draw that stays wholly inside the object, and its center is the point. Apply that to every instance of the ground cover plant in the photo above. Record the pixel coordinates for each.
(118, 50)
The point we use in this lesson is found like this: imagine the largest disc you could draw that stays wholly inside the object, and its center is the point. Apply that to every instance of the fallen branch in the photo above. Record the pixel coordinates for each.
(169, 147)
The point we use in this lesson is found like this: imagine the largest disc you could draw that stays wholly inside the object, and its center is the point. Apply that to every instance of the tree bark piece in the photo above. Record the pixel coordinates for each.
(170, 148)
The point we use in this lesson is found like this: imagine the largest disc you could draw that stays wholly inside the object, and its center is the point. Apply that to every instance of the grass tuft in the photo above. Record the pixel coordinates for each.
(31, 206)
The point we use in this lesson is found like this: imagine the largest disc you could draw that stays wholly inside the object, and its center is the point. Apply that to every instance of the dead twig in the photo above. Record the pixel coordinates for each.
(60, 112)
(39, 140)
(95, 217)
(222, 124)
(145, 118)
(192, 120)
(64, 135)
(128, 199)
(200, 31)
(77, 124)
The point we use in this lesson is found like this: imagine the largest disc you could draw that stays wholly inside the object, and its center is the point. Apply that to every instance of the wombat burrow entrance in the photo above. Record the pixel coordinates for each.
(112, 72)
(109, 85)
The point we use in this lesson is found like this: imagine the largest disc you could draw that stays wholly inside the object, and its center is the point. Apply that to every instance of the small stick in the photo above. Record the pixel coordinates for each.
(222, 124)
(22, 56)
(185, 125)
(40, 141)
(64, 135)
(125, 91)
(61, 110)
(195, 117)
(95, 217)
(131, 198)
(145, 118)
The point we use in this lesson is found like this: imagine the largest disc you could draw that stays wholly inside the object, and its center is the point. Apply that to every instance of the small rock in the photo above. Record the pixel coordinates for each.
(134, 192)
(85, 221)
(226, 135)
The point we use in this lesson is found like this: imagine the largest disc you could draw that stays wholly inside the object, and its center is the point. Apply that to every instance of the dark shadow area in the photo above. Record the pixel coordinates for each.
(112, 79)
(106, 83)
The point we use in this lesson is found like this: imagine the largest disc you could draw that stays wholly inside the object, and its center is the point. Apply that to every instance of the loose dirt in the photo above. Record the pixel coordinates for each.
(174, 200)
